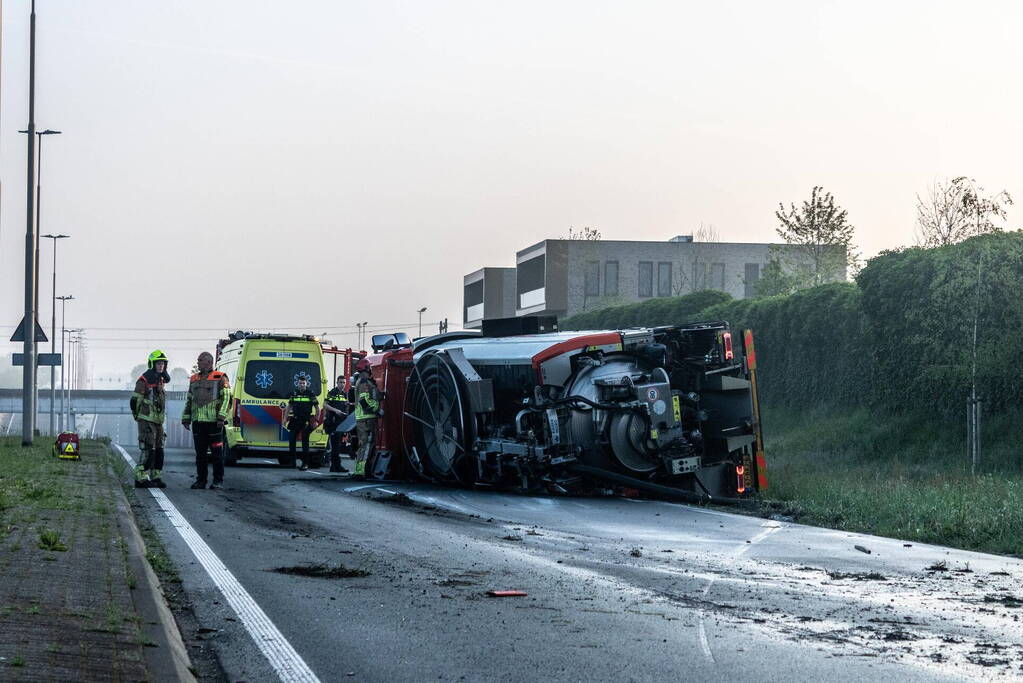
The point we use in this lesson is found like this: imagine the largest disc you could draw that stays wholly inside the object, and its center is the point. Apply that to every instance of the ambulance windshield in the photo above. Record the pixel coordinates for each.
(278, 378)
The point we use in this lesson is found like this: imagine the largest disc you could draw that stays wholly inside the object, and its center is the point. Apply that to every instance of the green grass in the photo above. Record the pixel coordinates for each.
(50, 540)
(904, 476)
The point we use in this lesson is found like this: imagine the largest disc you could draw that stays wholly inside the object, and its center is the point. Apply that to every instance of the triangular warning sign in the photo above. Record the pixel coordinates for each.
(19, 334)
(69, 448)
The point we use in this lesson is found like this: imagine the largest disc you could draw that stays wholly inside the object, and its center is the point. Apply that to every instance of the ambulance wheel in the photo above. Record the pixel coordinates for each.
(231, 458)
(286, 460)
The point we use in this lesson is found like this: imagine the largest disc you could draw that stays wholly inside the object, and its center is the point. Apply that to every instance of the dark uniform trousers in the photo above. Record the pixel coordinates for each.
(297, 425)
(209, 450)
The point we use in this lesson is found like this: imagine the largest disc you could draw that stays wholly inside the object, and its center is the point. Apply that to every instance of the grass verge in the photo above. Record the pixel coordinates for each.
(903, 476)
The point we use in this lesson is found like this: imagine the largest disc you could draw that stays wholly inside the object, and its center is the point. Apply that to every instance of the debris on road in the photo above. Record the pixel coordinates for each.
(322, 571)
(858, 576)
(636, 552)
(862, 549)
(1006, 600)
(507, 594)
(941, 566)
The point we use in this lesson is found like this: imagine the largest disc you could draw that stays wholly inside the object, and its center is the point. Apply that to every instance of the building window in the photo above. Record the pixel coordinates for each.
(751, 280)
(592, 278)
(473, 296)
(611, 278)
(717, 276)
(646, 278)
(699, 277)
(664, 278)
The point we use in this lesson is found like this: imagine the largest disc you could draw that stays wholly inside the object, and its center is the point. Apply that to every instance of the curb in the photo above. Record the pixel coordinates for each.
(168, 661)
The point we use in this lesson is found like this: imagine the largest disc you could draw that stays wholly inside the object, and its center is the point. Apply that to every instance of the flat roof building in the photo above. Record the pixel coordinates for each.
(565, 277)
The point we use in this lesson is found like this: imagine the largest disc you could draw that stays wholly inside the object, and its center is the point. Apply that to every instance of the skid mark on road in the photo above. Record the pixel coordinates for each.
(704, 643)
(290, 667)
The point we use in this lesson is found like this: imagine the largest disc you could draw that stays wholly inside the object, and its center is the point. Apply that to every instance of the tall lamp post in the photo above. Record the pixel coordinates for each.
(35, 294)
(53, 319)
(71, 342)
(420, 312)
(63, 357)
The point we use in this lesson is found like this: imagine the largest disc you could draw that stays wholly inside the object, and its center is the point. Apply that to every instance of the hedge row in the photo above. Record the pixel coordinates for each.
(901, 337)
(922, 305)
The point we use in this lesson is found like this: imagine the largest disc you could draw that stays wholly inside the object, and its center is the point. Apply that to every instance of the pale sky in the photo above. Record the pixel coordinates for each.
(315, 164)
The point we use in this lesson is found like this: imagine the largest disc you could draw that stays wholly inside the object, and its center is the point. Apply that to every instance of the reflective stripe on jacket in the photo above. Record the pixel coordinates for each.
(149, 400)
(367, 405)
(208, 398)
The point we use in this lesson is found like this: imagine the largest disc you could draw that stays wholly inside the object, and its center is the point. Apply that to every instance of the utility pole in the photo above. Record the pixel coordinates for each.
(28, 377)
(53, 320)
(63, 357)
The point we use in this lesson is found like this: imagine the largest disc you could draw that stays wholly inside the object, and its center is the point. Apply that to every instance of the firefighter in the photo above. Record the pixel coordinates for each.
(206, 407)
(298, 418)
(336, 407)
(149, 407)
(367, 408)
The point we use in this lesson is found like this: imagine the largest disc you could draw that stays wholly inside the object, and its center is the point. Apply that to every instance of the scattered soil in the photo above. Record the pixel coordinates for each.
(1007, 600)
(858, 576)
(322, 571)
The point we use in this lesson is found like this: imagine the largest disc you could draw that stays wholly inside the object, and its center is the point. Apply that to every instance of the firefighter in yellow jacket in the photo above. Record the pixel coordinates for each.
(367, 408)
(149, 408)
(206, 407)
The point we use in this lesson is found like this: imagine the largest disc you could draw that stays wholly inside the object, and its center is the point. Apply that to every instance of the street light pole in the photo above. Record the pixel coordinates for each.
(53, 319)
(420, 312)
(28, 376)
(63, 358)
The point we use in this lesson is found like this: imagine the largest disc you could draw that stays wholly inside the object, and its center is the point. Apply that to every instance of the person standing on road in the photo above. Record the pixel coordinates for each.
(206, 407)
(149, 408)
(298, 418)
(367, 408)
(336, 407)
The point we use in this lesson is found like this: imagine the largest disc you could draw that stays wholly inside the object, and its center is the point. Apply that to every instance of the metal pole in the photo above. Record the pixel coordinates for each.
(53, 340)
(28, 377)
(63, 358)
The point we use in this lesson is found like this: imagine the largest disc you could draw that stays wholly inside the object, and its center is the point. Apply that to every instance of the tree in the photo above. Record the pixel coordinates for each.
(775, 280)
(692, 276)
(957, 209)
(822, 235)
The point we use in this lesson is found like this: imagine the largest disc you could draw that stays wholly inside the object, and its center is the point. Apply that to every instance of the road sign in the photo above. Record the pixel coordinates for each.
(42, 359)
(19, 334)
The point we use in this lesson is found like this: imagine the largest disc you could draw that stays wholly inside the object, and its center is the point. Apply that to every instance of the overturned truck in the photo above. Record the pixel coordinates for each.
(670, 411)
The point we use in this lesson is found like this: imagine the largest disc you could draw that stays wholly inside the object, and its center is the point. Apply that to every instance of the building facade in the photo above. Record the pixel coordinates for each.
(566, 277)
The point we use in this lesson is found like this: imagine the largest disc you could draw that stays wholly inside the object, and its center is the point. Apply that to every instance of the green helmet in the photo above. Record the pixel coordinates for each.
(155, 356)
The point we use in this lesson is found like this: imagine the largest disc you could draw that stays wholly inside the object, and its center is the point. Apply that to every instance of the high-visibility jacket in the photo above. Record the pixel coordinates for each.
(302, 404)
(208, 398)
(149, 400)
(367, 402)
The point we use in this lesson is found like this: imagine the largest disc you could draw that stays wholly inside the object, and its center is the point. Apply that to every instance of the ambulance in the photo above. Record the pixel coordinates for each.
(264, 370)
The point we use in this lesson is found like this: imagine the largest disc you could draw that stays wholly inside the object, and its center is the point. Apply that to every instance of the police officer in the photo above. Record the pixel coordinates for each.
(149, 408)
(367, 408)
(336, 407)
(206, 408)
(301, 405)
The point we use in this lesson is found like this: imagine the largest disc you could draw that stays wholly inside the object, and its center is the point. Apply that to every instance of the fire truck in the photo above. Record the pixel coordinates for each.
(520, 405)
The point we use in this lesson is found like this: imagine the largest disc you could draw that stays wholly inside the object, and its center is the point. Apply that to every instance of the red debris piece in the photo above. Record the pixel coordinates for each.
(507, 594)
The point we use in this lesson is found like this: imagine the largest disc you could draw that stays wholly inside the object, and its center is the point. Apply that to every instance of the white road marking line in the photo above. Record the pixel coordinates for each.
(270, 641)
(315, 472)
(704, 643)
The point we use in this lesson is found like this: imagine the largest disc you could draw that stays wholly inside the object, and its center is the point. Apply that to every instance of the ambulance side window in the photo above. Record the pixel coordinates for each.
(230, 368)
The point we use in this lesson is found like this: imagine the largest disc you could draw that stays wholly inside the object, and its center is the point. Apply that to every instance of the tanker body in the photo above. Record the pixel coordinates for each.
(670, 410)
